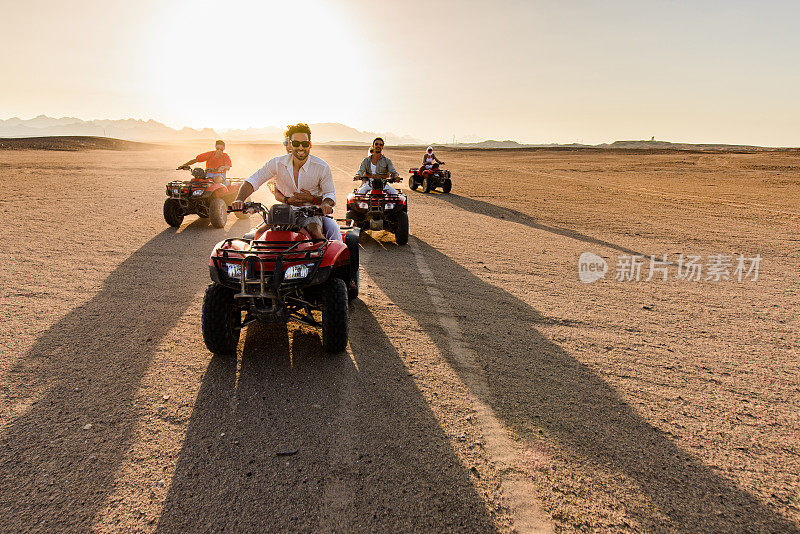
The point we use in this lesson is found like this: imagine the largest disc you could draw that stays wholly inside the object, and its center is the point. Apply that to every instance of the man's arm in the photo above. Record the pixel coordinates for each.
(362, 170)
(390, 168)
(328, 191)
(190, 162)
(254, 182)
(227, 166)
(272, 184)
(437, 159)
(244, 191)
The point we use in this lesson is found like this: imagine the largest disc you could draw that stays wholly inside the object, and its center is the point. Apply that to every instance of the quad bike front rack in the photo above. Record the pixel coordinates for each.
(269, 283)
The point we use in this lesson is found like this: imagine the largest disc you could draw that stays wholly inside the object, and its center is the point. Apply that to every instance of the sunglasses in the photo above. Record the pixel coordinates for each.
(378, 144)
(305, 144)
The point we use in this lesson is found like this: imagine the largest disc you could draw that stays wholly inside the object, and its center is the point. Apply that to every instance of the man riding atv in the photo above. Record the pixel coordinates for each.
(307, 179)
(217, 162)
(376, 164)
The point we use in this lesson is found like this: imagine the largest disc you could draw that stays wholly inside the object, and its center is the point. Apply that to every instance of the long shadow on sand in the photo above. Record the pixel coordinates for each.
(86, 369)
(536, 384)
(317, 443)
(498, 212)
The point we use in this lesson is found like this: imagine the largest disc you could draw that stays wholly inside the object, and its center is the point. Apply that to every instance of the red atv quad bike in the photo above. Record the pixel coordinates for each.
(376, 209)
(280, 274)
(430, 179)
(200, 195)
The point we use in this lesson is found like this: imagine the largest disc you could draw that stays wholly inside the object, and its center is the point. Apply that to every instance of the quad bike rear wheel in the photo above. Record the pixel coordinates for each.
(401, 236)
(426, 185)
(172, 212)
(447, 185)
(335, 320)
(221, 320)
(217, 212)
(412, 183)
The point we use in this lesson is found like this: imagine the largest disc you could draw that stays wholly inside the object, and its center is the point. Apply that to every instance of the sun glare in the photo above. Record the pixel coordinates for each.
(250, 63)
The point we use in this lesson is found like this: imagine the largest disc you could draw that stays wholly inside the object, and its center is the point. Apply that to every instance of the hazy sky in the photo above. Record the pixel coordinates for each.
(699, 71)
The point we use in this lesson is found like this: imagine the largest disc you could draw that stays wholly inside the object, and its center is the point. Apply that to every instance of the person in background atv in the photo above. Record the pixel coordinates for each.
(429, 158)
(286, 142)
(307, 178)
(376, 164)
(217, 162)
(272, 183)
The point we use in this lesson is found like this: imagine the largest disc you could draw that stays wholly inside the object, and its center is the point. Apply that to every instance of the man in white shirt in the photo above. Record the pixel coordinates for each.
(300, 178)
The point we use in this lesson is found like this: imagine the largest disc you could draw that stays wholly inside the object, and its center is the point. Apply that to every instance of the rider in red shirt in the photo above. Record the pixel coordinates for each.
(217, 162)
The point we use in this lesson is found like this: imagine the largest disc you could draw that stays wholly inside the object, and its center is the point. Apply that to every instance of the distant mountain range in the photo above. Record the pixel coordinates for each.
(619, 145)
(152, 131)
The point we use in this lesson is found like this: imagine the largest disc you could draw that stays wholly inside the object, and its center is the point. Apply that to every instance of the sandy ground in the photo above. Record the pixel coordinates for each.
(485, 387)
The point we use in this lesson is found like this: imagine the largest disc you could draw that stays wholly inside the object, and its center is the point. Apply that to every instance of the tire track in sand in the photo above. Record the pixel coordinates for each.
(506, 453)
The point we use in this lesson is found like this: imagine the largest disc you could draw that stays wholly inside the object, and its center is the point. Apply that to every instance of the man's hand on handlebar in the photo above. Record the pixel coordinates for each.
(245, 207)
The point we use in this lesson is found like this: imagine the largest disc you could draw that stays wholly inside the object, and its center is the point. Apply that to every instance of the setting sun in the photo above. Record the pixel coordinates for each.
(228, 64)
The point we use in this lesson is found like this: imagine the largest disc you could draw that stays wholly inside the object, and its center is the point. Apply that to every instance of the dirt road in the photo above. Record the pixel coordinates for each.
(485, 387)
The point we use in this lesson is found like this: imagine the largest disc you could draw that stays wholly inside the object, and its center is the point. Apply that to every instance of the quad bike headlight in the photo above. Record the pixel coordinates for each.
(296, 272)
(389, 206)
(197, 193)
(233, 270)
(363, 205)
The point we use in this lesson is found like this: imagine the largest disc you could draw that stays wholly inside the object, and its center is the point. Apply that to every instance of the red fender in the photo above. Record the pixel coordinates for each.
(335, 255)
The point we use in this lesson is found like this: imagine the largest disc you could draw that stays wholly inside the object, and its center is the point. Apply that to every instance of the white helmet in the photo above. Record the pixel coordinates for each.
(429, 149)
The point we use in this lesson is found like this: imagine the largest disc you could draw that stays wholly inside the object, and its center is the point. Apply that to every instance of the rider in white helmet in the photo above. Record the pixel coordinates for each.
(429, 159)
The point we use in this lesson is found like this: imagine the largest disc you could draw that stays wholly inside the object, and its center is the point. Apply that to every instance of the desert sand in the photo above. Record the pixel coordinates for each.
(485, 387)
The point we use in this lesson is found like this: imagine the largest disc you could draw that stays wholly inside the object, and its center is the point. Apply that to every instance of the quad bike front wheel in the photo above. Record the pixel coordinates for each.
(221, 320)
(426, 185)
(447, 185)
(412, 183)
(335, 321)
(401, 236)
(217, 212)
(172, 212)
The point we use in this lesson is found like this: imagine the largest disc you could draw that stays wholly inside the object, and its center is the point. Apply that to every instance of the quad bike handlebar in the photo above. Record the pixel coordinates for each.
(307, 211)
(189, 168)
(420, 168)
(252, 207)
(387, 177)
